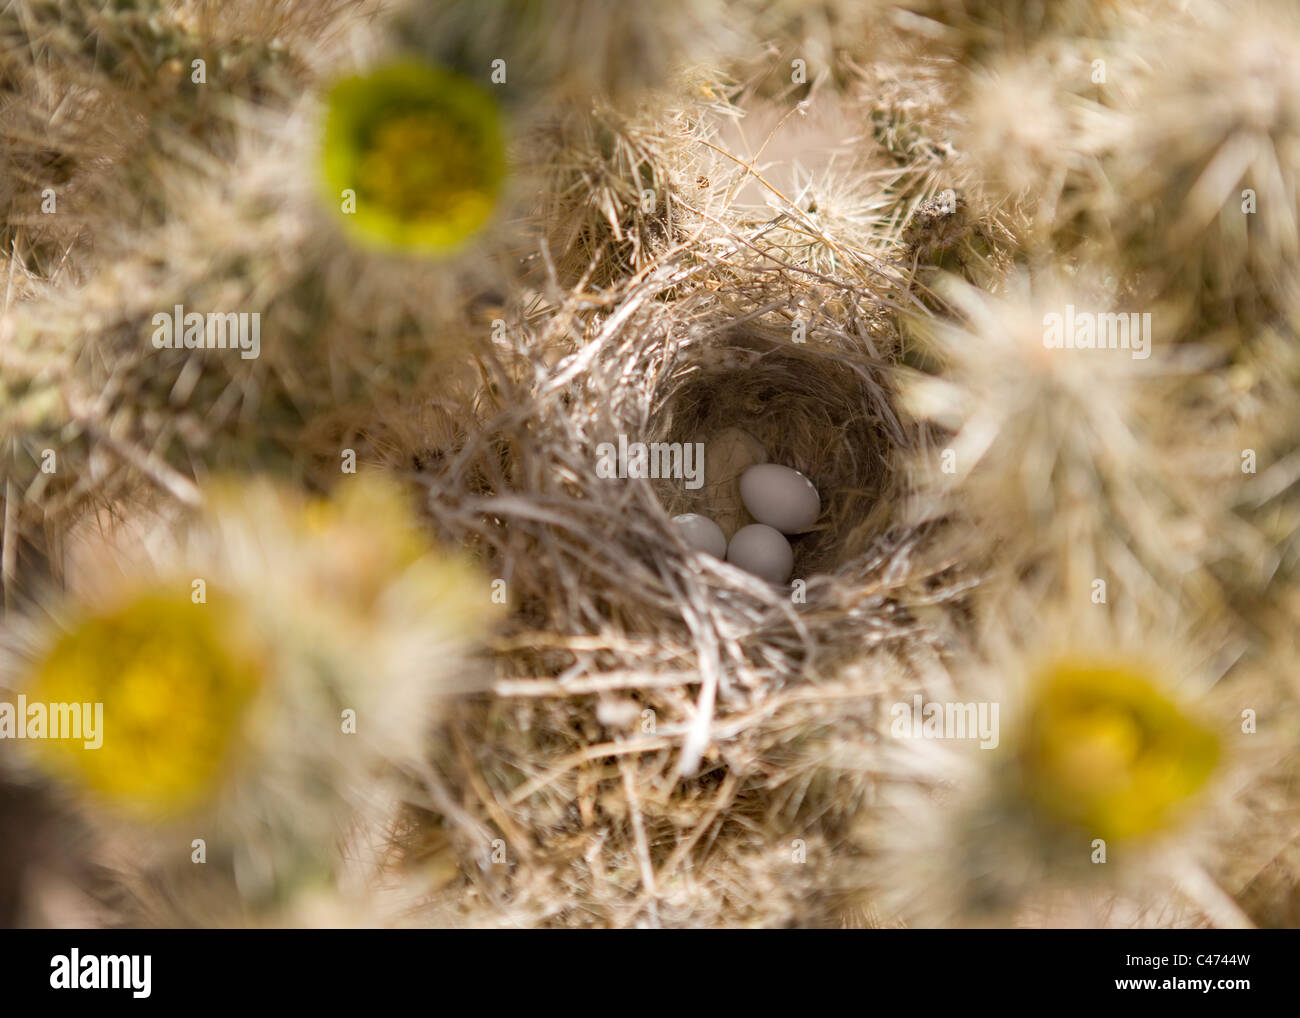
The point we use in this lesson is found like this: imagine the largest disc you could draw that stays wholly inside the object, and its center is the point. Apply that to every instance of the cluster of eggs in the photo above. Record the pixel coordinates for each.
(782, 500)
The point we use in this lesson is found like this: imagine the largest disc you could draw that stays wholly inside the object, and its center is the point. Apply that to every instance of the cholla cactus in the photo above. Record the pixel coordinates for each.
(979, 29)
(545, 53)
(420, 149)
(977, 269)
(264, 678)
(1086, 791)
(178, 681)
(1071, 476)
(1210, 192)
(1105, 751)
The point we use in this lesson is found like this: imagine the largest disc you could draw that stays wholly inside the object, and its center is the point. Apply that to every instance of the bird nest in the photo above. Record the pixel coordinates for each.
(671, 705)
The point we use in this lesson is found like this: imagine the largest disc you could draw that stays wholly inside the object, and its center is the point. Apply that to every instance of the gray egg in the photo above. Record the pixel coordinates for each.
(701, 533)
(780, 497)
(762, 551)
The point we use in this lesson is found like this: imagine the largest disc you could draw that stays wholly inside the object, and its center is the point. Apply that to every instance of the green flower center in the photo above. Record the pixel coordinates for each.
(423, 152)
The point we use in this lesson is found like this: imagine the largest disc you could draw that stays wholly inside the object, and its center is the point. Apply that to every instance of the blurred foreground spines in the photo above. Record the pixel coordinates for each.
(265, 676)
(1105, 795)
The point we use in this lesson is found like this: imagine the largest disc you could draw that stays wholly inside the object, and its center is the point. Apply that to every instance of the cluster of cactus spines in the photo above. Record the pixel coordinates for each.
(214, 641)
(482, 238)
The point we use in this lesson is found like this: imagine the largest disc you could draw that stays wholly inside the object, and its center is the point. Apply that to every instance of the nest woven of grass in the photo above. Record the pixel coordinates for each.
(669, 701)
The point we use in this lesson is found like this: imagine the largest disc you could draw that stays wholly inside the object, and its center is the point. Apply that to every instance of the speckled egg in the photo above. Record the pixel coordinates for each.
(762, 551)
(780, 497)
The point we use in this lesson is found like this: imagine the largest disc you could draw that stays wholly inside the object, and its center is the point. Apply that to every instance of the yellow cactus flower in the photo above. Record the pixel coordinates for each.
(421, 149)
(1105, 750)
(175, 679)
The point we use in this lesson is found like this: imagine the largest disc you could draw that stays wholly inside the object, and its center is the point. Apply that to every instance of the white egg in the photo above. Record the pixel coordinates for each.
(780, 497)
(701, 533)
(763, 551)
